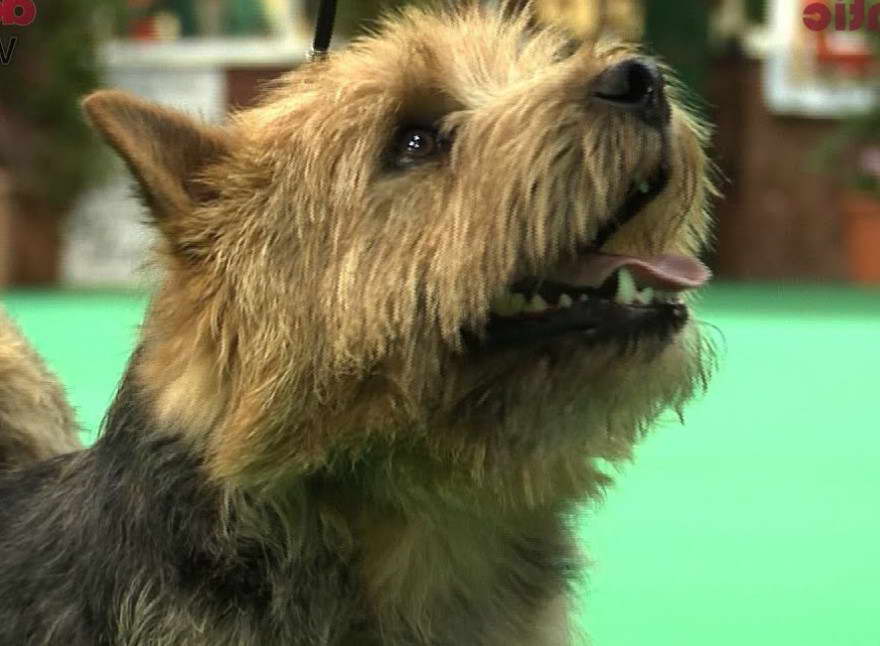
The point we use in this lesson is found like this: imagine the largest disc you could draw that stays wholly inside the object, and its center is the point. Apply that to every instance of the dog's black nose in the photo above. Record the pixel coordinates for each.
(636, 85)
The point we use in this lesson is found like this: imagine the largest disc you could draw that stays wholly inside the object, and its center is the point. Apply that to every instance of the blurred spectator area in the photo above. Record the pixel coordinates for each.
(207, 58)
(779, 218)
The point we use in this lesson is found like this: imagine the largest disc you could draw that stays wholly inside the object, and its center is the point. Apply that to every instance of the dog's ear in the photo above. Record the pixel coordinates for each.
(164, 149)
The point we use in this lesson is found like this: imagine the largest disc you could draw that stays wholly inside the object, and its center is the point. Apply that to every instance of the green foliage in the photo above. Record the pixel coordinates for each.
(354, 18)
(756, 10)
(50, 150)
(245, 17)
(681, 38)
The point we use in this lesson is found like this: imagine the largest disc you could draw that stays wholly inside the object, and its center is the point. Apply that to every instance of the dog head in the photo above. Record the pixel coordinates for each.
(460, 245)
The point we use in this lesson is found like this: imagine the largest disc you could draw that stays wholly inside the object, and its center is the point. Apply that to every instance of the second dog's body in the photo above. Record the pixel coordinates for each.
(35, 419)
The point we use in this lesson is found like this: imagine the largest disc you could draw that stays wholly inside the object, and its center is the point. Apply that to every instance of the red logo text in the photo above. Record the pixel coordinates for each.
(17, 13)
(845, 16)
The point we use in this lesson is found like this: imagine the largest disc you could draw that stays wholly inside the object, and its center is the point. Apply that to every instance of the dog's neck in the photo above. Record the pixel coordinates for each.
(412, 569)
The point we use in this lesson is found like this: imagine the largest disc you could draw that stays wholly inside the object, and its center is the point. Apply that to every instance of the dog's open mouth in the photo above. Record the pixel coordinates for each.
(601, 297)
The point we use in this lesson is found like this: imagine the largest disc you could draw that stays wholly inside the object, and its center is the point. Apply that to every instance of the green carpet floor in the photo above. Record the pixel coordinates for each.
(755, 524)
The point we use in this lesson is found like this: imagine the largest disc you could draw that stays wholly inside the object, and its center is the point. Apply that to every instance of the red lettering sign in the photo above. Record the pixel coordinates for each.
(818, 16)
(18, 13)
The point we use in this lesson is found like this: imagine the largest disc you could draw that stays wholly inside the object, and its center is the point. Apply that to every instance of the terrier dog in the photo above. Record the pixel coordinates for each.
(411, 301)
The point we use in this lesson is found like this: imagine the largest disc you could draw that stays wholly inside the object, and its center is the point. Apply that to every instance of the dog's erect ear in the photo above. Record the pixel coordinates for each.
(164, 149)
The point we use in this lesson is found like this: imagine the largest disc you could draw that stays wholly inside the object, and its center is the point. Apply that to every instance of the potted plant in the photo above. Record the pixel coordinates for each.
(853, 154)
(861, 213)
(5, 230)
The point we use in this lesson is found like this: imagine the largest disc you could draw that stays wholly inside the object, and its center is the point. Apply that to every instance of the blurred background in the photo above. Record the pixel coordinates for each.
(756, 523)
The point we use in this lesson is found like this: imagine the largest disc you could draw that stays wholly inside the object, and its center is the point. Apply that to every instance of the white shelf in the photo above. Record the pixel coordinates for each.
(206, 53)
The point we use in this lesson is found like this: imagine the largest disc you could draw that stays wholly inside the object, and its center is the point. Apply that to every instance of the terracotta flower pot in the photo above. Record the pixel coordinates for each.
(5, 231)
(862, 234)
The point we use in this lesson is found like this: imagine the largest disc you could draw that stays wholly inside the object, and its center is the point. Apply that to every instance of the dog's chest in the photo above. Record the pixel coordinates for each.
(457, 581)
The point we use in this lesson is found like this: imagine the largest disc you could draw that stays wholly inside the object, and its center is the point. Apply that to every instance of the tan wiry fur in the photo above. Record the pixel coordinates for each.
(35, 420)
(262, 292)
(306, 343)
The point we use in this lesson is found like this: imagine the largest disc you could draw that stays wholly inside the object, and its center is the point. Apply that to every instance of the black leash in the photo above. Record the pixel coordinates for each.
(323, 30)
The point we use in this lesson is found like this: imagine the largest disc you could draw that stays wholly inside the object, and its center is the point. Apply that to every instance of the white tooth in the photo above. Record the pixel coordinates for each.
(537, 305)
(644, 187)
(583, 298)
(626, 287)
(565, 301)
(646, 296)
(518, 303)
(666, 297)
(503, 305)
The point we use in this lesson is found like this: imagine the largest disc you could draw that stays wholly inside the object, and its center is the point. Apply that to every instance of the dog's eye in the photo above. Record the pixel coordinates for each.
(419, 143)
(415, 145)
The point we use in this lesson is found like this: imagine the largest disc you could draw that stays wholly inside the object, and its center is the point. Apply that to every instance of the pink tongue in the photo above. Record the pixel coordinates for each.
(666, 272)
